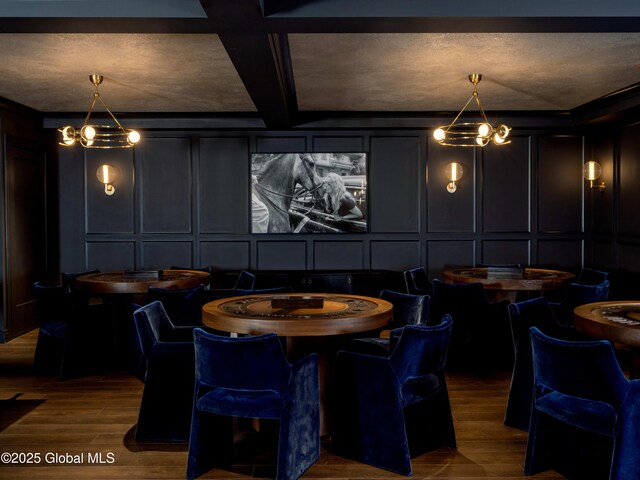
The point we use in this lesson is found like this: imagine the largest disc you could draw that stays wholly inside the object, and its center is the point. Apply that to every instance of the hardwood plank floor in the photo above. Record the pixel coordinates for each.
(97, 415)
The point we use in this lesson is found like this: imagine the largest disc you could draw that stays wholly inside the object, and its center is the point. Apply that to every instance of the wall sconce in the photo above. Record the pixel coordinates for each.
(108, 174)
(454, 174)
(592, 171)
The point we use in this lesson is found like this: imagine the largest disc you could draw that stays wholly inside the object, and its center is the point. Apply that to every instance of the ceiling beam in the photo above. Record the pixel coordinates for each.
(263, 62)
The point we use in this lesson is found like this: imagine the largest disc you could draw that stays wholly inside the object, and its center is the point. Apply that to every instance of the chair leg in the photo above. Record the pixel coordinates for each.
(210, 442)
(536, 457)
(48, 354)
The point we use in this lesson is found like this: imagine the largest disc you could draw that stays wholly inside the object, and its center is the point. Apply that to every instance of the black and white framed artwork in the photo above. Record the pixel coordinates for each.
(308, 192)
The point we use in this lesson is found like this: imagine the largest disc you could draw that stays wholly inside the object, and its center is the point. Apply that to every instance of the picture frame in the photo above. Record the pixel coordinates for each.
(309, 192)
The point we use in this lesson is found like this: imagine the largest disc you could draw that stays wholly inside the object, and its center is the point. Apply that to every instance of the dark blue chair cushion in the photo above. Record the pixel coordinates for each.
(58, 329)
(242, 403)
(599, 417)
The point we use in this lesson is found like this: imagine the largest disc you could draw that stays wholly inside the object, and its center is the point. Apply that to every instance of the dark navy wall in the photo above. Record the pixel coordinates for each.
(183, 199)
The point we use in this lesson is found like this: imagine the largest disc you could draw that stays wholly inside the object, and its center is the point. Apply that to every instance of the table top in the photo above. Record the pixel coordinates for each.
(617, 321)
(116, 282)
(531, 279)
(341, 314)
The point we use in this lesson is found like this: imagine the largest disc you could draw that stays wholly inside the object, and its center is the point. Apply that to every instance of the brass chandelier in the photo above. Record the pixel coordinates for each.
(99, 136)
(472, 134)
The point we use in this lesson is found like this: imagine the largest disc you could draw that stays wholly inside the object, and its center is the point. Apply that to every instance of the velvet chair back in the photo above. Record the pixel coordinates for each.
(417, 281)
(246, 281)
(408, 309)
(589, 369)
(184, 306)
(421, 351)
(258, 362)
(581, 392)
(589, 276)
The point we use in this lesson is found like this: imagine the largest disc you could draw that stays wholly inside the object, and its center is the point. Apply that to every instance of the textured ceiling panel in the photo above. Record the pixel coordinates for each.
(428, 72)
(143, 73)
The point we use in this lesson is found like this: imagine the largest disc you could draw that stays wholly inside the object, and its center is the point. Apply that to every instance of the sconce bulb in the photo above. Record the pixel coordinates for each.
(133, 137)
(497, 139)
(484, 130)
(88, 132)
(592, 171)
(480, 140)
(438, 134)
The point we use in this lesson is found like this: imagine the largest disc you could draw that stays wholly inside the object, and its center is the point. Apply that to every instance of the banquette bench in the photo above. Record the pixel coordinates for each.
(356, 282)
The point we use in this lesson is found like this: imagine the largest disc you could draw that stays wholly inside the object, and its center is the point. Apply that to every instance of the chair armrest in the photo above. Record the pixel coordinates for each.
(182, 333)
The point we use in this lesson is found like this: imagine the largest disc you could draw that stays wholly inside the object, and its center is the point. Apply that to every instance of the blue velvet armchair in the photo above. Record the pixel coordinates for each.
(74, 338)
(579, 294)
(481, 336)
(393, 408)
(580, 385)
(522, 316)
(165, 408)
(250, 377)
(408, 309)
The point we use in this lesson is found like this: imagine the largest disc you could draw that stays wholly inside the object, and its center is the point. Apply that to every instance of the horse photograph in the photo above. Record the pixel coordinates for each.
(308, 192)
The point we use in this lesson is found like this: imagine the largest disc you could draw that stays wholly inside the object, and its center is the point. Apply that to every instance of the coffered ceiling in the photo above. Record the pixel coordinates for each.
(283, 59)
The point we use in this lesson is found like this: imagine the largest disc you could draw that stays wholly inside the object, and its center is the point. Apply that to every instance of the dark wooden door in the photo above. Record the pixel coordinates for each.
(25, 234)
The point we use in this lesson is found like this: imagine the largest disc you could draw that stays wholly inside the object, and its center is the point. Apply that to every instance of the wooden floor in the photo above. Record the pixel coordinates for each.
(97, 415)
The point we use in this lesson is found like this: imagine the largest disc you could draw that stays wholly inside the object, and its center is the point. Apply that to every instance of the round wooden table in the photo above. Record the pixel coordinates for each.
(306, 329)
(508, 285)
(118, 282)
(616, 321)
(340, 314)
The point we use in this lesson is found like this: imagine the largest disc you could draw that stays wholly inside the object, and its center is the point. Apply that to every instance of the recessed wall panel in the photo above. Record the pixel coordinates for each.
(395, 255)
(629, 217)
(109, 213)
(225, 255)
(166, 185)
(159, 255)
(282, 255)
(338, 255)
(111, 256)
(281, 144)
(338, 144)
(629, 258)
(224, 185)
(560, 254)
(505, 251)
(505, 187)
(394, 183)
(560, 184)
(445, 254)
(602, 256)
(450, 212)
